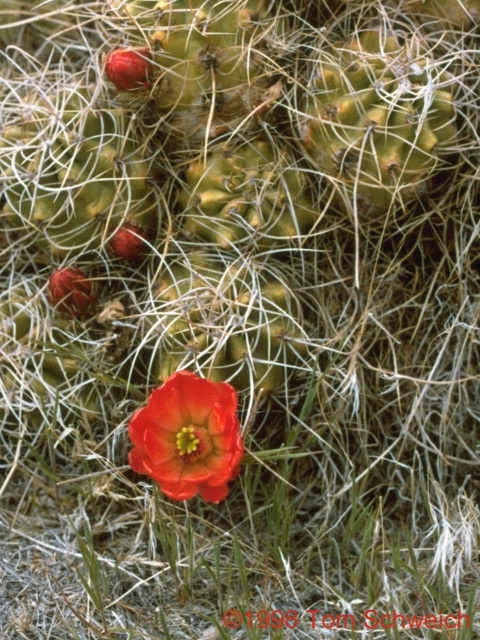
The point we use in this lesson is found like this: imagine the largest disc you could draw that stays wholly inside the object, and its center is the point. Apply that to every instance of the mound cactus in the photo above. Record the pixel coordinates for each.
(235, 322)
(379, 119)
(460, 13)
(246, 192)
(207, 73)
(42, 378)
(74, 173)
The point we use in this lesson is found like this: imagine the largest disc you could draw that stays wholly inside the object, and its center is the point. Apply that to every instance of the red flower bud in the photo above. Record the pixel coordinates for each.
(128, 242)
(129, 68)
(71, 292)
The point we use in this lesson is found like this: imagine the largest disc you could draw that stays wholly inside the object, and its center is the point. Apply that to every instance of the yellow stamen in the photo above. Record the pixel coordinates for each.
(186, 441)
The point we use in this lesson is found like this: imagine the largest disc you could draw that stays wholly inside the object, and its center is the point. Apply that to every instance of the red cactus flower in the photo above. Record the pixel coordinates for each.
(128, 242)
(129, 68)
(71, 292)
(187, 438)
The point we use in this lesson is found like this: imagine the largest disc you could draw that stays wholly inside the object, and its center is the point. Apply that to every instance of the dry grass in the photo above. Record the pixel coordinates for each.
(360, 485)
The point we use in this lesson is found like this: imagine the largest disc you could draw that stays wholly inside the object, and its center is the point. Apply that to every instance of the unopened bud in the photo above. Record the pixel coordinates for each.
(71, 292)
(129, 69)
(128, 242)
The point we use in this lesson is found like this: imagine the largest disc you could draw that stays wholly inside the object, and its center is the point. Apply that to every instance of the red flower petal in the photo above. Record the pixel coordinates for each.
(213, 494)
(216, 464)
(136, 459)
(228, 438)
(222, 476)
(139, 424)
(217, 421)
(228, 397)
(197, 397)
(235, 472)
(196, 472)
(158, 449)
(238, 454)
(163, 408)
(220, 444)
(168, 471)
(179, 490)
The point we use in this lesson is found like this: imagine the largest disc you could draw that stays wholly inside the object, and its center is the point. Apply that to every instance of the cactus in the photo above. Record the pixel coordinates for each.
(248, 191)
(31, 26)
(207, 74)
(234, 321)
(74, 174)
(460, 13)
(41, 373)
(16, 320)
(10, 14)
(379, 119)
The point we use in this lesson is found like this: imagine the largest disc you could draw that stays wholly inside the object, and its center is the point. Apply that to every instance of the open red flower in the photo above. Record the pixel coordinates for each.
(187, 438)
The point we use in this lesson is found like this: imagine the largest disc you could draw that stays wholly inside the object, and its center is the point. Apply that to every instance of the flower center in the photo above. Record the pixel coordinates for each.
(187, 442)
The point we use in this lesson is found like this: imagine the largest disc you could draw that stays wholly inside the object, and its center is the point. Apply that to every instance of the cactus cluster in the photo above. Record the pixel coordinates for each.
(259, 220)
(209, 122)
